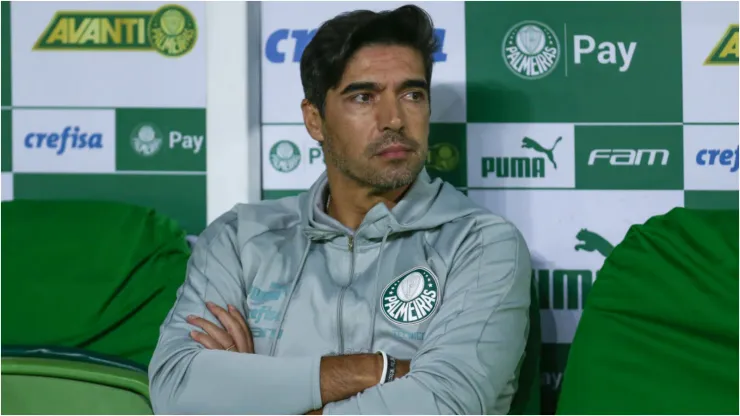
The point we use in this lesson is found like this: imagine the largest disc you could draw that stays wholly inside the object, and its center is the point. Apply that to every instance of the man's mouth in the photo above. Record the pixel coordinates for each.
(395, 151)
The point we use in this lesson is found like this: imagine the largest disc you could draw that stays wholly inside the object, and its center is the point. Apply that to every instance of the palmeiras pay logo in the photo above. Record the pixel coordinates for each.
(531, 49)
(146, 139)
(410, 298)
(285, 156)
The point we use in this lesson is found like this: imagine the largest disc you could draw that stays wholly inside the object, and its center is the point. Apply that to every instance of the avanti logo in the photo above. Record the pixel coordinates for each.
(629, 157)
(69, 138)
(285, 156)
(411, 298)
(443, 157)
(147, 138)
(521, 167)
(725, 51)
(567, 289)
(722, 157)
(171, 30)
(531, 50)
(277, 50)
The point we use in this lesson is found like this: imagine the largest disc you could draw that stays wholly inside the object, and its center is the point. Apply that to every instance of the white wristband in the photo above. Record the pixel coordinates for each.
(384, 374)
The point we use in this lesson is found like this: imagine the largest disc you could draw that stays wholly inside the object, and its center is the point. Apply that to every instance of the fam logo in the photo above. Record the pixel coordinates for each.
(285, 156)
(629, 157)
(531, 50)
(171, 30)
(521, 167)
(147, 140)
(411, 298)
(443, 157)
(725, 51)
(719, 157)
(69, 138)
(279, 48)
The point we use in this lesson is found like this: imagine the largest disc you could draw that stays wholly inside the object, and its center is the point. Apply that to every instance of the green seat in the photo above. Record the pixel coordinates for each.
(56, 381)
(659, 333)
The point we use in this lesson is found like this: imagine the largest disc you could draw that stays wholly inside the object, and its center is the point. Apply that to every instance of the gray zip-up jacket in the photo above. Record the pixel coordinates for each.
(437, 280)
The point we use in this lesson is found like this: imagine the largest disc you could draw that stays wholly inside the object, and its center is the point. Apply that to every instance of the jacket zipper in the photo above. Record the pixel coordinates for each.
(350, 246)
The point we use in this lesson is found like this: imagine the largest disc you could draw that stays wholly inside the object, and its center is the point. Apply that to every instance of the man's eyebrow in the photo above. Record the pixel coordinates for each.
(373, 86)
(415, 83)
(360, 86)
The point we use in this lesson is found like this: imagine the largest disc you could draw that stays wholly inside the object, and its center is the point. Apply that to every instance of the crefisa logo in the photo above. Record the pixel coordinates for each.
(71, 137)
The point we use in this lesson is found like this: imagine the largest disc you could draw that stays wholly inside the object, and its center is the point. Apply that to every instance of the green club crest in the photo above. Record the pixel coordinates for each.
(531, 49)
(172, 31)
(411, 298)
(285, 156)
(146, 139)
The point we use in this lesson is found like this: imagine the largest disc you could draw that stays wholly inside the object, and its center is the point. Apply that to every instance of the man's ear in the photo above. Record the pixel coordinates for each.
(312, 120)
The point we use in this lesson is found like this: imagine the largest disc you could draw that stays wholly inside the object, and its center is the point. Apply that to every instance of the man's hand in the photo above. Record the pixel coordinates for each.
(237, 337)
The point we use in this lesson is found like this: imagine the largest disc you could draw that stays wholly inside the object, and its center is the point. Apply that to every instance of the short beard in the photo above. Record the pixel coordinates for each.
(404, 172)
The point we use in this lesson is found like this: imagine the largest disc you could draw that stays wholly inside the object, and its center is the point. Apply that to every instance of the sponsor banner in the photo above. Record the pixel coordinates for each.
(520, 155)
(629, 157)
(62, 140)
(161, 140)
(569, 235)
(181, 197)
(711, 157)
(292, 160)
(7, 186)
(108, 54)
(573, 62)
(710, 61)
(286, 34)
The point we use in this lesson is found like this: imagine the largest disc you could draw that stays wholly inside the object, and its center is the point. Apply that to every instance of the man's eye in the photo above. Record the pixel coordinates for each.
(415, 95)
(362, 98)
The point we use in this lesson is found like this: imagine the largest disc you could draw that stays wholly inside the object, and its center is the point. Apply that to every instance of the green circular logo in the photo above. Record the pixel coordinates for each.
(146, 139)
(531, 49)
(172, 30)
(285, 156)
(411, 298)
(443, 157)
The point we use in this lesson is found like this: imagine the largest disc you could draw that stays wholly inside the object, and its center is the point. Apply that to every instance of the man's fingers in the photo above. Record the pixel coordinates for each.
(205, 340)
(238, 336)
(218, 334)
(243, 324)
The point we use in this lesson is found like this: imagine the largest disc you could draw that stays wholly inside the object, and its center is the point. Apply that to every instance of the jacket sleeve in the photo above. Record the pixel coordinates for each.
(474, 346)
(186, 378)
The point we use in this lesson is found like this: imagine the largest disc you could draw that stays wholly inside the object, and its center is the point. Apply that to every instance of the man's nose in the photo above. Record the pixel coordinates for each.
(390, 114)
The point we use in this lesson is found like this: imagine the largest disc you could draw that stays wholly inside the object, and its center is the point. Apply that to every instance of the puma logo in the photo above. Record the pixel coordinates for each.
(590, 241)
(528, 143)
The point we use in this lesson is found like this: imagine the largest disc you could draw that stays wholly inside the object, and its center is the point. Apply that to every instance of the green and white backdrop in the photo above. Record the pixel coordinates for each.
(106, 100)
(574, 120)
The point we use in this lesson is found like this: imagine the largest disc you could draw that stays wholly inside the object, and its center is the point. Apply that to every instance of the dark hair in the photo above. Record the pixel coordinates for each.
(336, 41)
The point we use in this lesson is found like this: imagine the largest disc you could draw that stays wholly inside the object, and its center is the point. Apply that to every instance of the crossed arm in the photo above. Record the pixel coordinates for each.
(341, 377)
(467, 363)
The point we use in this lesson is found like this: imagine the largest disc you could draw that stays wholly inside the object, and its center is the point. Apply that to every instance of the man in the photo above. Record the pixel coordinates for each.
(379, 290)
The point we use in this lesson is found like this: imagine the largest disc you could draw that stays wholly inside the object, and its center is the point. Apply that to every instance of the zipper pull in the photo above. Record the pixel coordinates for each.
(351, 243)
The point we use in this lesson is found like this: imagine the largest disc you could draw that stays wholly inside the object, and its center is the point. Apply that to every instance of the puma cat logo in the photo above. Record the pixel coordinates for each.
(528, 143)
(590, 241)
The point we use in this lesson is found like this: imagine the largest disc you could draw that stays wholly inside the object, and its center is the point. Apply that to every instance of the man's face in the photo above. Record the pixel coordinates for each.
(376, 122)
